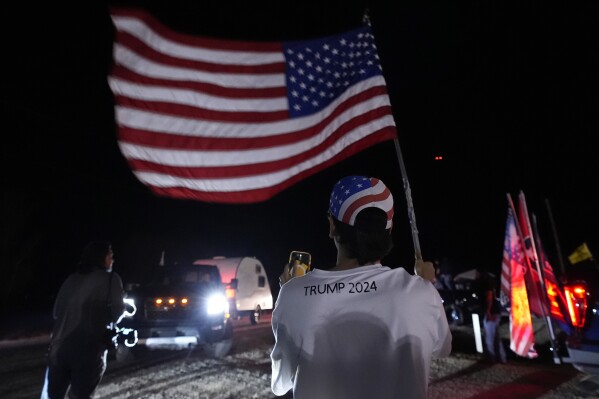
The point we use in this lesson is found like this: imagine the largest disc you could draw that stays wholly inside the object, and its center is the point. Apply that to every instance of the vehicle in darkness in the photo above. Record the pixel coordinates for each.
(577, 298)
(178, 307)
(247, 286)
(463, 299)
(460, 304)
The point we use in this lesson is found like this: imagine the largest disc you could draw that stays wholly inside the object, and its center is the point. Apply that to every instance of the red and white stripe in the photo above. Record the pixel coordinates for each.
(521, 331)
(377, 196)
(505, 274)
(208, 119)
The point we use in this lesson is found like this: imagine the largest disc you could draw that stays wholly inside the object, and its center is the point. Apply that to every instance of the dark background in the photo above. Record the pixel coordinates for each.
(506, 93)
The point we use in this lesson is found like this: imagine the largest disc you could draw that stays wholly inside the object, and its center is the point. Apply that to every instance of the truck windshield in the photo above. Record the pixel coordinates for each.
(179, 276)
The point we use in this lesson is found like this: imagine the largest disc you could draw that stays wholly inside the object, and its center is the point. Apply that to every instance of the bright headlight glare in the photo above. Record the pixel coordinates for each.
(217, 303)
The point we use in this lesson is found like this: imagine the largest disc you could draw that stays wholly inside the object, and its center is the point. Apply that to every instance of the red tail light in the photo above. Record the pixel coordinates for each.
(576, 298)
(555, 299)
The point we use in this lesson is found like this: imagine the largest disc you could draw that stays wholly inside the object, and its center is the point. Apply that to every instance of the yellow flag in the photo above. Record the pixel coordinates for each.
(581, 253)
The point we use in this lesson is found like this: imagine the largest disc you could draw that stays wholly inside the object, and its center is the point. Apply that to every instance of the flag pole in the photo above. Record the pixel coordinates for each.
(533, 247)
(408, 191)
(552, 339)
(557, 246)
(512, 210)
(404, 178)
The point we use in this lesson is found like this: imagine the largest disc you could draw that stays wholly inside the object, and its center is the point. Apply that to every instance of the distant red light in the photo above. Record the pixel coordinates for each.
(438, 157)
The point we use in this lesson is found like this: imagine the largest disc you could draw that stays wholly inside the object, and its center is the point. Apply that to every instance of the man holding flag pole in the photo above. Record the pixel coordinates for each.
(334, 337)
(238, 122)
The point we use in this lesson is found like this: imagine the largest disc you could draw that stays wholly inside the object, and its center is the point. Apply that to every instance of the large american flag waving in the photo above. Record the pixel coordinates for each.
(237, 122)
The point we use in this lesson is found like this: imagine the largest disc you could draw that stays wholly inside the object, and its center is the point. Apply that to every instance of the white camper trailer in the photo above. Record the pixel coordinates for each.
(248, 289)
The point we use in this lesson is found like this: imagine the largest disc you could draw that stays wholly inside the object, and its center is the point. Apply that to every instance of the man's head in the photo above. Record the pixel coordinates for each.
(361, 211)
(96, 255)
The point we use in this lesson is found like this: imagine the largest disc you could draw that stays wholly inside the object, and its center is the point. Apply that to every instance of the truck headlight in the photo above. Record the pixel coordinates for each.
(217, 303)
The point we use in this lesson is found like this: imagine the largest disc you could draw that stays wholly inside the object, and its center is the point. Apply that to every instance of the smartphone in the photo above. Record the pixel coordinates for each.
(299, 263)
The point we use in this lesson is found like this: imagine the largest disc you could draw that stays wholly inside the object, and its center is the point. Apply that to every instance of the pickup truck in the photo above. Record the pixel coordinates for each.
(180, 307)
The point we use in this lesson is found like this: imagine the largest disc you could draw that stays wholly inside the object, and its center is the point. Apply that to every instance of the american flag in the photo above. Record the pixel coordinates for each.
(524, 227)
(545, 295)
(537, 300)
(237, 122)
(555, 295)
(514, 261)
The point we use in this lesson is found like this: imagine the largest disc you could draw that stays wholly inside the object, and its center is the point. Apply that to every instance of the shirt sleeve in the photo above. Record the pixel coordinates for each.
(283, 356)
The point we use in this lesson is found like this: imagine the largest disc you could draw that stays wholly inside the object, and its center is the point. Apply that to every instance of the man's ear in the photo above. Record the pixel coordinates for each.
(332, 231)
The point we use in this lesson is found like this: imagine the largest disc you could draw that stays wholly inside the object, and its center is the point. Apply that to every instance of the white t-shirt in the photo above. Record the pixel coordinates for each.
(367, 332)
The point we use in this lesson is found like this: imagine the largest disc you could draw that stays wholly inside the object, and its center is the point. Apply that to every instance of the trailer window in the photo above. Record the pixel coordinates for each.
(261, 281)
(258, 269)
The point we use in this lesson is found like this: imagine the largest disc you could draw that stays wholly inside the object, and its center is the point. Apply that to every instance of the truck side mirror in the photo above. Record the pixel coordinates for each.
(234, 283)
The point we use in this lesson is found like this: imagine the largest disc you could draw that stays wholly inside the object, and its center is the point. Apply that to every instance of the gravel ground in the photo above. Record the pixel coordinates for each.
(245, 373)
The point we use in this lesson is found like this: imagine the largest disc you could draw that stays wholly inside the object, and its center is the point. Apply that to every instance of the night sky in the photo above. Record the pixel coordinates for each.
(506, 93)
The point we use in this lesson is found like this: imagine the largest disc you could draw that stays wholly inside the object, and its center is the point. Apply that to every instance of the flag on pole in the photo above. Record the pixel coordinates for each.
(521, 331)
(537, 300)
(505, 292)
(524, 227)
(555, 296)
(545, 298)
(580, 254)
(237, 122)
